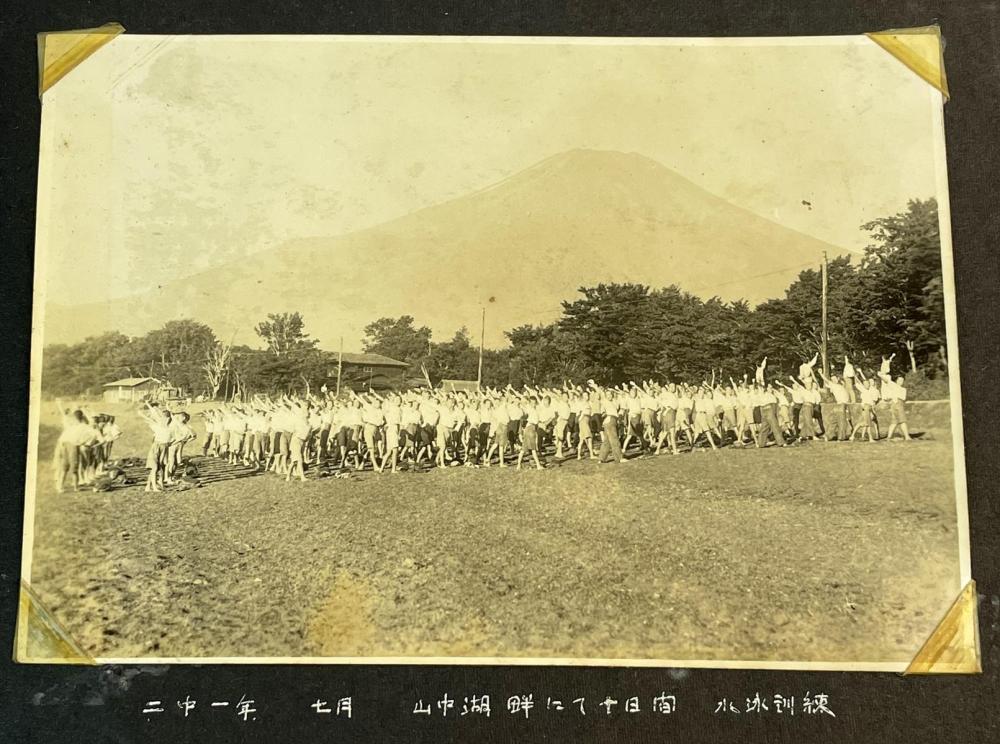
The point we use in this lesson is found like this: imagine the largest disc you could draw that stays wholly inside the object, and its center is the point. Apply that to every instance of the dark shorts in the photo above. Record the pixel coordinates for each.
(427, 435)
(634, 423)
(668, 418)
(529, 438)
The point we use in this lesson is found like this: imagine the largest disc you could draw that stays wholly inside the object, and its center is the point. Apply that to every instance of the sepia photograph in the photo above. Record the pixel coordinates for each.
(493, 350)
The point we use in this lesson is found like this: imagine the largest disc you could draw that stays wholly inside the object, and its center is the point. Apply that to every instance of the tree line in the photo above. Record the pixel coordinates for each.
(892, 300)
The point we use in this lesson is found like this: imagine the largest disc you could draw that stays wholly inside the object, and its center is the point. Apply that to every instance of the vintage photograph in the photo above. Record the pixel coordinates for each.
(494, 350)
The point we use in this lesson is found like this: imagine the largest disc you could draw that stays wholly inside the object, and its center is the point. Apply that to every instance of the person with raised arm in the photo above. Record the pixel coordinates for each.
(445, 430)
(372, 419)
(529, 433)
(894, 393)
(784, 410)
(180, 434)
(633, 412)
(885, 367)
(726, 400)
(584, 409)
(745, 413)
(792, 396)
(499, 432)
(300, 431)
(869, 397)
(768, 404)
(66, 458)
(429, 416)
(667, 402)
(759, 372)
(836, 421)
(704, 415)
(210, 442)
(849, 377)
(806, 429)
(409, 431)
(685, 405)
(236, 428)
(806, 369)
(610, 444)
(561, 413)
(158, 421)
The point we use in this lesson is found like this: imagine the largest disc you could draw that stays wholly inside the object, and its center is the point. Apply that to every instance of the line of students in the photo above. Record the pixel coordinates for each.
(423, 428)
(171, 432)
(497, 426)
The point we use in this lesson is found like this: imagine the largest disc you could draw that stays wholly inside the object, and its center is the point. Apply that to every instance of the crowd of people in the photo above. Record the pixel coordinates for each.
(421, 428)
(83, 449)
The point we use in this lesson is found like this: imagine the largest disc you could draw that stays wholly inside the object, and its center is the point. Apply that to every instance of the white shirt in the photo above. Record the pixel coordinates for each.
(839, 392)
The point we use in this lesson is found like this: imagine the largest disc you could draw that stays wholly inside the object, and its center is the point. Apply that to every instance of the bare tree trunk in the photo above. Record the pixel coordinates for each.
(913, 359)
(216, 365)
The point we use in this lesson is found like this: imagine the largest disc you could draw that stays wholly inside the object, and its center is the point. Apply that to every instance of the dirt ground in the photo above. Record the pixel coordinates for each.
(821, 552)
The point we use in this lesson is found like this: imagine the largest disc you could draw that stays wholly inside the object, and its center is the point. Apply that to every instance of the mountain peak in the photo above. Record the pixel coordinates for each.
(582, 157)
(523, 245)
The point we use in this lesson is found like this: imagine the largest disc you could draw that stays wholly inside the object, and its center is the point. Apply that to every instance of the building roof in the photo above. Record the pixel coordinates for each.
(130, 382)
(372, 360)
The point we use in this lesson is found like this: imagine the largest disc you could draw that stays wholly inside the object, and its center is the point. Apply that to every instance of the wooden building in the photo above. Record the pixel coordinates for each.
(131, 389)
(363, 372)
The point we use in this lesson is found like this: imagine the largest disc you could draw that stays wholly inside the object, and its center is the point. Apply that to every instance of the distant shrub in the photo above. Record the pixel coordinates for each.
(920, 386)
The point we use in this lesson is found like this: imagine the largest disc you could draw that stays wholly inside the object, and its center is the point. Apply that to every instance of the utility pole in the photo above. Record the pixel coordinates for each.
(340, 364)
(826, 365)
(482, 341)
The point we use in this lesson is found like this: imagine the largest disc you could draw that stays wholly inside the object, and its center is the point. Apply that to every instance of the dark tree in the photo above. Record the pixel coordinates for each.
(399, 339)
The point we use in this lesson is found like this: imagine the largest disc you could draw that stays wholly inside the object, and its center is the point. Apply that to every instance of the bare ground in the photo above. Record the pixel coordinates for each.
(823, 552)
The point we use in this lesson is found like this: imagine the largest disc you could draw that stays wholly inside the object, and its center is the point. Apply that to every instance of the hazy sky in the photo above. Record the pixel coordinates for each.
(172, 154)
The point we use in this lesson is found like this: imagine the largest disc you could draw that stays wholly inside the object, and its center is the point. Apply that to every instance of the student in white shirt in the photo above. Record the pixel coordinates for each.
(634, 430)
(500, 428)
(111, 433)
(849, 375)
(393, 419)
(810, 397)
(836, 424)
(894, 394)
(806, 370)
(584, 422)
(180, 434)
(529, 434)
(668, 418)
(868, 395)
(300, 431)
(156, 459)
(704, 419)
(610, 444)
(561, 410)
(67, 457)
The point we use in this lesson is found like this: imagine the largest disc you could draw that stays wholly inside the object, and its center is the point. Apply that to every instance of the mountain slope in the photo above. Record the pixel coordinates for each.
(519, 247)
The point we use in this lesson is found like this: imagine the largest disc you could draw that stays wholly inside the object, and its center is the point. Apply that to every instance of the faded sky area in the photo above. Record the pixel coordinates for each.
(171, 155)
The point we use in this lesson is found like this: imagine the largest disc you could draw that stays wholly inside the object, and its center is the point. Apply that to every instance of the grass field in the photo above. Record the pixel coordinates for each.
(822, 552)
